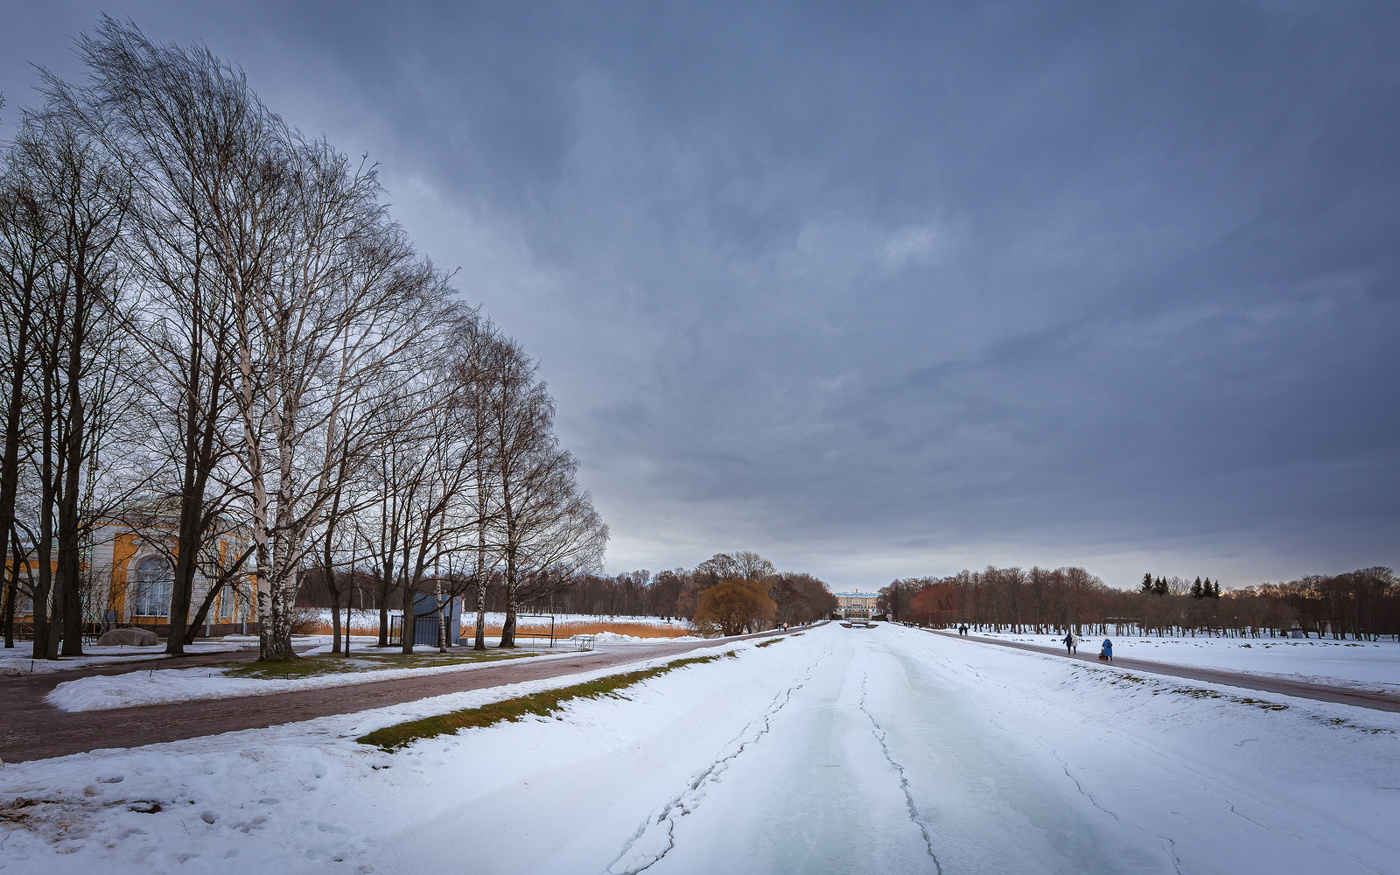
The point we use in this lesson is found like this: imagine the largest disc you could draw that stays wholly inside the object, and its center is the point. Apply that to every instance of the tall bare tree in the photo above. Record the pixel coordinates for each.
(79, 358)
(543, 521)
(347, 307)
(198, 148)
(27, 232)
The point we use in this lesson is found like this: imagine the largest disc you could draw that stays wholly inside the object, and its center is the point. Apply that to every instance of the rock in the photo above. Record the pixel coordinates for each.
(132, 637)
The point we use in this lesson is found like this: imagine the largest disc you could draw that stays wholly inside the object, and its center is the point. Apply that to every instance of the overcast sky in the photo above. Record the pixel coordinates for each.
(886, 290)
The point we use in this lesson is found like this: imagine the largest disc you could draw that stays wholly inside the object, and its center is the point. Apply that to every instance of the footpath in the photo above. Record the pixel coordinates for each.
(1375, 699)
(32, 729)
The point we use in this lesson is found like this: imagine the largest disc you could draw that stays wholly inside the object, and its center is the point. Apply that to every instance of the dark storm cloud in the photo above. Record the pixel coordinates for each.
(888, 289)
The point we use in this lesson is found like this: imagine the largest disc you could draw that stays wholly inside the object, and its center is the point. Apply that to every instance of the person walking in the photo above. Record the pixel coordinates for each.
(1069, 642)
(1107, 652)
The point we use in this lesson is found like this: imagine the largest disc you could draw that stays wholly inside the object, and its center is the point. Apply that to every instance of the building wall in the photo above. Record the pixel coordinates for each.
(856, 605)
(116, 551)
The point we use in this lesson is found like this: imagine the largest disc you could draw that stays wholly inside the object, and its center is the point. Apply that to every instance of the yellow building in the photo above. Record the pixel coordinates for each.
(130, 577)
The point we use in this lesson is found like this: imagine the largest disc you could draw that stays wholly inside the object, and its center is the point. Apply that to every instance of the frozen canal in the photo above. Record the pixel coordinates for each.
(874, 765)
(839, 750)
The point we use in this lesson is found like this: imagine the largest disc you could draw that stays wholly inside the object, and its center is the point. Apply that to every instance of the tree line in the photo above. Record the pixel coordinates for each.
(1363, 604)
(727, 593)
(215, 332)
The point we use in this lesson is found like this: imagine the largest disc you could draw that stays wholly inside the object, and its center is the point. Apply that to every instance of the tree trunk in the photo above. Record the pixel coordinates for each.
(508, 627)
(9, 465)
(335, 614)
(406, 641)
(70, 584)
(480, 638)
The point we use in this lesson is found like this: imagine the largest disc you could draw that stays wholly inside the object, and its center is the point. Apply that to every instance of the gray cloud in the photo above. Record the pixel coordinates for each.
(890, 289)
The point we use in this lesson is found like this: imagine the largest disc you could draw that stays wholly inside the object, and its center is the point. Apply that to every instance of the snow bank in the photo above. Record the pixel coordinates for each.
(602, 638)
(1369, 664)
(183, 685)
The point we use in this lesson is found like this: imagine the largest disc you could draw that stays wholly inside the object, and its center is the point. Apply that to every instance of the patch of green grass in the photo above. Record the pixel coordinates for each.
(334, 663)
(541, 704)
(770, 642)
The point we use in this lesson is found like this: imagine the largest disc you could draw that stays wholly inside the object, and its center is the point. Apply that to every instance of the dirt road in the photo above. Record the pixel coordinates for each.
(31, 729)
(1374, 699)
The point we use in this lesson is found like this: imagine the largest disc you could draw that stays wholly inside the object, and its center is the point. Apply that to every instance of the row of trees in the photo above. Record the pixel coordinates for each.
(213, 329)
(727, 593)
(1364, 604)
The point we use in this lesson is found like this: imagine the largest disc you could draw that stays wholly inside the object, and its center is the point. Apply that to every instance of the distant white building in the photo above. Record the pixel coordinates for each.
(856, 605)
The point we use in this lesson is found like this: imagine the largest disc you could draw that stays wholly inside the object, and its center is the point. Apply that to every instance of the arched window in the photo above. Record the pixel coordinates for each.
(151, 588)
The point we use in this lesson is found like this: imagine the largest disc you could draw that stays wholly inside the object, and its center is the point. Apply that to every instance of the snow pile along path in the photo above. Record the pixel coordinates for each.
(154, 686)
(888, 750)
(1358, 664)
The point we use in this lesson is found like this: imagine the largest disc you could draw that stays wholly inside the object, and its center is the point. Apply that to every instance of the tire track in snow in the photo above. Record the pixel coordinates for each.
(880, 735)
(689, 799)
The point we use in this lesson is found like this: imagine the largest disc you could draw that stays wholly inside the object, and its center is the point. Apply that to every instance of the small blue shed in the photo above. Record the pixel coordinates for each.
(428, 612)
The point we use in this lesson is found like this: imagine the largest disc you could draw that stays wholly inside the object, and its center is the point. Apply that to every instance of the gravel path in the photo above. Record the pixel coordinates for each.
(1374, 699)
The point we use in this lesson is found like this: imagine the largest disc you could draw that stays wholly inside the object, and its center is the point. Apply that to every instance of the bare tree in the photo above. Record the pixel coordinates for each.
(27, 233)
(546, 523)
(189, 135)
(78, 357)
(347, 306)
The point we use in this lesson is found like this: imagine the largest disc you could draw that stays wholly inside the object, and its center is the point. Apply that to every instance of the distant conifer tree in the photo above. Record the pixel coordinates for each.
(1160, 587)
(1147, 582)
(1198, 590)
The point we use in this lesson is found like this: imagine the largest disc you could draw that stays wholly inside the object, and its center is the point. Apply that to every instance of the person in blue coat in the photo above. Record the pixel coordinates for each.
(1107, 651)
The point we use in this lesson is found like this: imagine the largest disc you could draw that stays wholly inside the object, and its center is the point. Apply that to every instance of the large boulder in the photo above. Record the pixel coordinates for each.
(131, 637)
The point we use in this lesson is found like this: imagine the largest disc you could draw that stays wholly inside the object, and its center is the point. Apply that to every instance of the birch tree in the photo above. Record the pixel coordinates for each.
(338, 328)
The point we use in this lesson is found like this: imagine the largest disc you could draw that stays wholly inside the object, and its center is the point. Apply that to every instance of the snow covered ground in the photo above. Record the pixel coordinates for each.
(19, 660)
(840, 750)
(1370, 664)
(154, 686)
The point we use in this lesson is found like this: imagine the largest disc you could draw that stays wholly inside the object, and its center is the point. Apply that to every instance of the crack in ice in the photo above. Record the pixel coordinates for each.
(880, 735)
(1327, 849)
(1171, 843)
(686, 801)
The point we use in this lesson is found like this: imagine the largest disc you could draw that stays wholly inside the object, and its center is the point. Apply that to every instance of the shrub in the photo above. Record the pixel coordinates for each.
(733, 607)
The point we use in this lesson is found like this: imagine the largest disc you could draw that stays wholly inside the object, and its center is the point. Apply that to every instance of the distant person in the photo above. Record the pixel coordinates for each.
(1106, 652)
(1069, 642)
